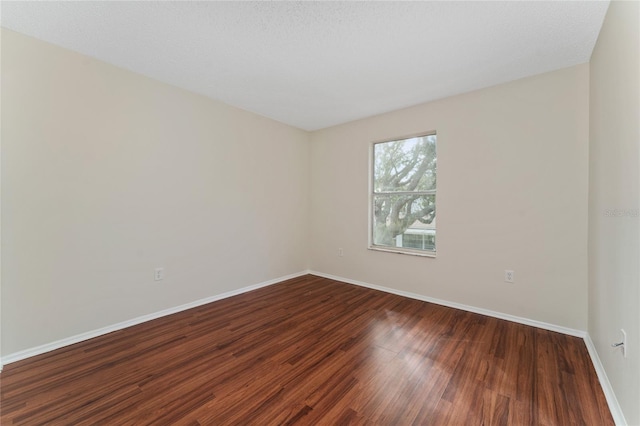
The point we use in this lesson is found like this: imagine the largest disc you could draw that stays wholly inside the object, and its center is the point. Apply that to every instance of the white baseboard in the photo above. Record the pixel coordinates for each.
(482, 311)
(27, 353)
(612, 401)
(610, 396)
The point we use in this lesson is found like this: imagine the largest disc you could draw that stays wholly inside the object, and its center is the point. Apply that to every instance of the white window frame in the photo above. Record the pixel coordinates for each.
(372, 194)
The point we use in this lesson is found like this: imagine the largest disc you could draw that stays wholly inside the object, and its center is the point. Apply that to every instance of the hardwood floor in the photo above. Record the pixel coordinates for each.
(312, 351)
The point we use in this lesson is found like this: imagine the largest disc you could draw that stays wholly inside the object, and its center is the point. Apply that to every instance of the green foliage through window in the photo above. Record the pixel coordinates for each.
(404, 194)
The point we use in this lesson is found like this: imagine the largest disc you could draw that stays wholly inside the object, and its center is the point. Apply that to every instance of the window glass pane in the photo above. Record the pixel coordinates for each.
(405, 221)
(405, 165)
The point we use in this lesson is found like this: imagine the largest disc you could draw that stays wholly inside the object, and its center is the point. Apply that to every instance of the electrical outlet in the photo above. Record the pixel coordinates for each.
(508, 276)
(158, 274)
(340, 252)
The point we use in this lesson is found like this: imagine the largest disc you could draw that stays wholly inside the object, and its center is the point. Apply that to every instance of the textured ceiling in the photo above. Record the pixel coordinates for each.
(317, 64)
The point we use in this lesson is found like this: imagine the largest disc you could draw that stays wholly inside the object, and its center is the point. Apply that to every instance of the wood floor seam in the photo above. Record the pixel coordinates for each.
(311, 351)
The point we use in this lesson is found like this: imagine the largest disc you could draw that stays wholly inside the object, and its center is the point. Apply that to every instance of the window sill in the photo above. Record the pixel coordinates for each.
(409, 252)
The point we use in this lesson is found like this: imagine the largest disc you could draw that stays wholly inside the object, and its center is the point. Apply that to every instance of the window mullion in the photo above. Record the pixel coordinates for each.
(426, 192)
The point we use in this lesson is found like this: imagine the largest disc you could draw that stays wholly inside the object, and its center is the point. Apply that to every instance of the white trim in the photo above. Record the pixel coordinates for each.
(403, 250)
(27, 353)
(482, 311)
(612, 401)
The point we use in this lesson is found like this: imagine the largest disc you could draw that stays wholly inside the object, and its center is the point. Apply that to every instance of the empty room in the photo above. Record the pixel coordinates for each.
(320, 213)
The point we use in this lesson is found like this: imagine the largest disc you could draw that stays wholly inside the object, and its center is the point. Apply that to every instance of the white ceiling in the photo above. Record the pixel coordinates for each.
(317, 64)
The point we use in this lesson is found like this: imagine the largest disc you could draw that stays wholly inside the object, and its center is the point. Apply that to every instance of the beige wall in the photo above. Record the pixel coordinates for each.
(107, 174)
(614, 239)
(512, 194)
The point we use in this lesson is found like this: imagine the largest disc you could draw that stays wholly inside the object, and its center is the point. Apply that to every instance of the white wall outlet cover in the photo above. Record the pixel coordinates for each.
(508, 276)
(158, 274)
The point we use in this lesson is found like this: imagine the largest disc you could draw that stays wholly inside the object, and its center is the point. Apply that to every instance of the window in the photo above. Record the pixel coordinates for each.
(403, 195)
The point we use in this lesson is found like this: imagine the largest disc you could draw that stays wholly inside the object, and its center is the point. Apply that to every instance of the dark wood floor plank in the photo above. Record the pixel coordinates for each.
(311, 351)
